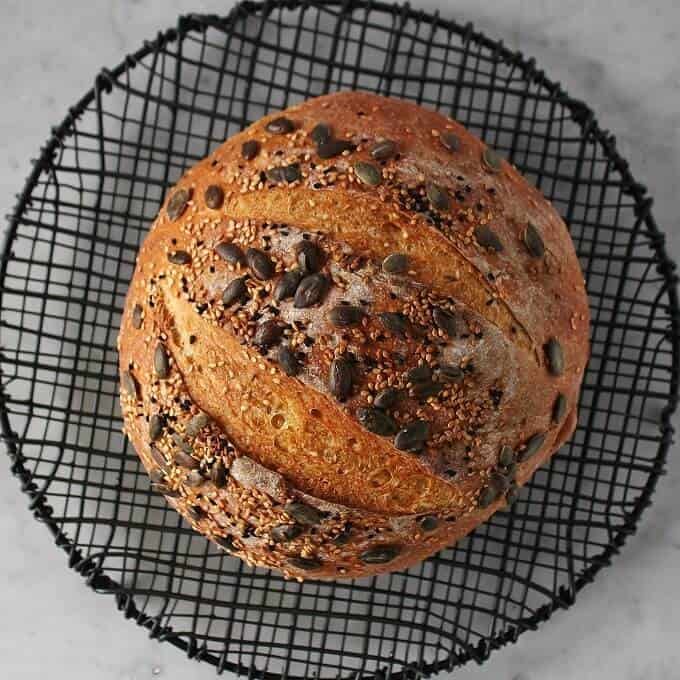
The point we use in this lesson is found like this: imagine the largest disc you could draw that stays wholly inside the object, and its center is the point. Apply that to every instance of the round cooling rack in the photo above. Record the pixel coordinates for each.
(69, 256)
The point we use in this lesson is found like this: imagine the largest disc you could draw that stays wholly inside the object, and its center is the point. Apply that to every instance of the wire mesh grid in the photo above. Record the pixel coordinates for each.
(69, 256)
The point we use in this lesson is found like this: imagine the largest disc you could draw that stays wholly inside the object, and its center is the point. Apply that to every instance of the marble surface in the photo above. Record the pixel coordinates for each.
(622, 57)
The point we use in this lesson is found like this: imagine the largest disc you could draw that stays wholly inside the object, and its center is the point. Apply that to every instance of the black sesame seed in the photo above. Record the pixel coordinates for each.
(309, 257)
(179, 257)
(280, 126)
(380, 554)
(288, 361)
(137, 316)
(333, 148)
(487, 238)
(155, 427)
(396, 263)
(555, 356)
(496, 397)
(311, 290)
(321, 134)
(178, 203)
(377, 422)
(260, 264)
(413, 436)
(340, 378)
(250, 149)
(161, 361)
(287, 285)
(449, 141)
(387, 398)
(225, 542)
(382, 151)
(268, 333)
(437, 196)
(429, 523)
(368, 173)
(235, 291)
(303, 514)
(345, 315)
(559, 408)
(214, 197)
(445, 321)
(533, 241)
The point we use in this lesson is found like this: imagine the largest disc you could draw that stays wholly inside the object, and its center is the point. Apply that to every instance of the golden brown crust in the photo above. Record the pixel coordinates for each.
(467, 329)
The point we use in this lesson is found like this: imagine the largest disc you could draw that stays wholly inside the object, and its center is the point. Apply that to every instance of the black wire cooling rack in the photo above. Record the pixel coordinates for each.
(70, 253)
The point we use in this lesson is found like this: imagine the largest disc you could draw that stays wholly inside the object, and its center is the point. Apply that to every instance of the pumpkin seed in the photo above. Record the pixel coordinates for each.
(184, 460)
(532, 446)
(260, 264)
(183, 444)
(287, 285)
(451, 373)
(309, 257)
(129, 384)
(437, 196)
(499, 482)
(161, 361)
(137, 316)
(236, 290)
(419, 374)
(179, 257)
(333, 148)
(506, 456)
(268, 333)
(345, 315)
(395, 322)
(218, 474)
(288, 361)
(450, 141)
(156, 476)
(387, 398)
(512, 495)
(559, 408)
(214, 197)
(311, 290)
(194, 479)
(280, 126)
(165, 490)
(487, 496)
(158, 456)
(284, 173)
(412, 437)
(226, 543)
(230, 253)
(303, 514)
(155, 427)
(429, 523)
(382, 151)
(533, 241)
(321, 134)
(396, 263)
(487, 238)
(196, 424)
(340, 378)
(424, 390)
(445, 321)
(178, 203)
(555, 357)
(305, 563)
(368, 173)
(380, 554)
(377, 422)
(250, 149)
(491, 160)
(286, 532)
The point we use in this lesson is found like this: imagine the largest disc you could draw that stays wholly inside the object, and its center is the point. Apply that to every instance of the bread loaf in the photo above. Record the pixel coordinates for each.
(352, 333)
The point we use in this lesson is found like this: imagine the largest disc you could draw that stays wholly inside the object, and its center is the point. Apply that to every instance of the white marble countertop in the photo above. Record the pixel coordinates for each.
(619, 55)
